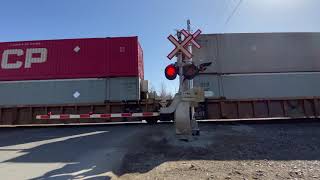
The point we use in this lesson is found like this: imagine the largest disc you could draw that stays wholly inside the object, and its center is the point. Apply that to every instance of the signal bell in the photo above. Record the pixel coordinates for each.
(171, 72)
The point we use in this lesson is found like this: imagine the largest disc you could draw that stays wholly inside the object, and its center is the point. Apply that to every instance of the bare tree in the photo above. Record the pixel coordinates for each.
(152, 91)
(164, 93)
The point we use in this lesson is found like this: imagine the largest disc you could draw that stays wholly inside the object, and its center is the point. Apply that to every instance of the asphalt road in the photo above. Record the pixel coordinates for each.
(140, 151)
(94, 152)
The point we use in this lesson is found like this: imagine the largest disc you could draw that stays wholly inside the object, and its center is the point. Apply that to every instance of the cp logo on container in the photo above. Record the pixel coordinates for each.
(30, 58)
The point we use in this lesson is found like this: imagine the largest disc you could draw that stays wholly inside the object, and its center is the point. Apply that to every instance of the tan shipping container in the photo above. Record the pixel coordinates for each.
(259, 52)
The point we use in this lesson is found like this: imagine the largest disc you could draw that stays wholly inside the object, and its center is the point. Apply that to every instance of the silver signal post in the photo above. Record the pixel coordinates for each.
(188, 97)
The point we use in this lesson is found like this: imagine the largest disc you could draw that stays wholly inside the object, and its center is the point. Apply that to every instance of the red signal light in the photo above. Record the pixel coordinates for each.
(171, 72)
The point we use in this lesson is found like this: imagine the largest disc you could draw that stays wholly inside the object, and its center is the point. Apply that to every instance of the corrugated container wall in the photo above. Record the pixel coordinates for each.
(260, 86)
(259, 52)
(69, 91)
(71, 59)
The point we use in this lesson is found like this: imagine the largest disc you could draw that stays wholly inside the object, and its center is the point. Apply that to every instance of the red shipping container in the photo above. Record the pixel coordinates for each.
(71, 59)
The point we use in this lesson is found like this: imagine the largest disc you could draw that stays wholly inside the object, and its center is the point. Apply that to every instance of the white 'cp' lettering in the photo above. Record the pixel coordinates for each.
(29, 60)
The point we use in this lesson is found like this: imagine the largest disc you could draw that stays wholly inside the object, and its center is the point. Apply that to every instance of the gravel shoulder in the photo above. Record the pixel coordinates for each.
(227, 151)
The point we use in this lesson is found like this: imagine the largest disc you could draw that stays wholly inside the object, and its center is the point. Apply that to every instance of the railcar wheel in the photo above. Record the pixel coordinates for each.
(152, 121)
(166, 117)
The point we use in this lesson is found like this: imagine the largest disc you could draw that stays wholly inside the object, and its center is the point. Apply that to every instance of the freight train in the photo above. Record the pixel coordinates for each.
(41, 80)
(99, 80)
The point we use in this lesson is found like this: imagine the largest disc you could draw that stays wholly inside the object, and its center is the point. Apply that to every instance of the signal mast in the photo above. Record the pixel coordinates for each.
(188, 97)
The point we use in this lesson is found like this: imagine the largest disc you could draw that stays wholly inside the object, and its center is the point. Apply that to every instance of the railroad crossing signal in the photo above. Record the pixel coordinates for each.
(184, 102)
(194, 36)
(180, 46)
(188, 71)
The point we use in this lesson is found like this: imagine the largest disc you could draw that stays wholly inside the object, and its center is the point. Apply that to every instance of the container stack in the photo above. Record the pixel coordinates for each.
(76, 71)
(259, 65)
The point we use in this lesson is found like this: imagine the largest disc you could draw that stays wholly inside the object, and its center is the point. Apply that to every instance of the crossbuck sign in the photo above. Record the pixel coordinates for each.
(183, 46)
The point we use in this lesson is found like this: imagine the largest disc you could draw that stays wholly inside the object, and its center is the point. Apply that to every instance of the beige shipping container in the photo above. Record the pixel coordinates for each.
(259, 52)
(260, 86)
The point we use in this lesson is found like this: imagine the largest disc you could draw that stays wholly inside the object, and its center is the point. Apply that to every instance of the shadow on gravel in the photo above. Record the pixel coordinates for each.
(230, 141)
(151, 146)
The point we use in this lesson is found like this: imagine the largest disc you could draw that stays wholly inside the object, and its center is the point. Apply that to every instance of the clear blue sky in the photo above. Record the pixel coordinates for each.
(151, 20)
